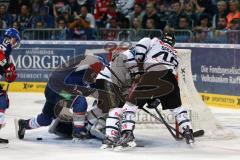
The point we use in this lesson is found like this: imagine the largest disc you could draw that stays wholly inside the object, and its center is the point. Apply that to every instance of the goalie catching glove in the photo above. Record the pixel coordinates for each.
(9, 69)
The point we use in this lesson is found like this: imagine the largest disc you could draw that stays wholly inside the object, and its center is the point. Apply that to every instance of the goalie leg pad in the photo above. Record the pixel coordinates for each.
(92, 117)
(98, 129)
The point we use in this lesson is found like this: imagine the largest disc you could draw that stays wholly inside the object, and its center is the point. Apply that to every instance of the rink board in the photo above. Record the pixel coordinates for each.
(217, 78)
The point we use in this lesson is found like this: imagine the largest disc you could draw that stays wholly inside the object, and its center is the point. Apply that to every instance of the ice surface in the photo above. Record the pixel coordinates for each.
(158, 143)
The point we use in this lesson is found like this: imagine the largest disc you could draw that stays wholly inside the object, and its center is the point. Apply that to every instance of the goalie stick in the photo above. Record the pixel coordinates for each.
(171, 129)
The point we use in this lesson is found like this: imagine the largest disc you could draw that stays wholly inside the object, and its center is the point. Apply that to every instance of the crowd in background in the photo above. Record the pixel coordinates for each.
(80, 18)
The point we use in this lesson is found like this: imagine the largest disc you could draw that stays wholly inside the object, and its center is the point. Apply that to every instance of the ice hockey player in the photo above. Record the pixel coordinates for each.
(158, 82)
(112, 83)
(66, 88)
(10, 40)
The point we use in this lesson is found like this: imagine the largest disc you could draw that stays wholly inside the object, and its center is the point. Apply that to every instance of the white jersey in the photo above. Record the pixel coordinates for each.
(122, 65)
(157, 55)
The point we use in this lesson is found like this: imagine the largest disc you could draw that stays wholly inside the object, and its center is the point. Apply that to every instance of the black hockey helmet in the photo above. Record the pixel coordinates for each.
(169, 38)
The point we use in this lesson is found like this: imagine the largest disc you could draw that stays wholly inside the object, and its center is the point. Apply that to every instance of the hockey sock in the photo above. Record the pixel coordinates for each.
(129, 116)
(112, 122)
(32, 123)
(78, 121)
(181, 116)
(79, 106)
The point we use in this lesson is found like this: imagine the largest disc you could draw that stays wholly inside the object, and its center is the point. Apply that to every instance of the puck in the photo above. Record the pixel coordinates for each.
(39, 138)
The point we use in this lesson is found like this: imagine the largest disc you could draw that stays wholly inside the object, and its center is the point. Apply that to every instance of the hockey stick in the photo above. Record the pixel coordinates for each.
(197, 133)
(7, 87)
(170, 128)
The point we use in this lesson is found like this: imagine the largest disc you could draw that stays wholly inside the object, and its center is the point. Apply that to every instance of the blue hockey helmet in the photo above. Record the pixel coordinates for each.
(13, 33)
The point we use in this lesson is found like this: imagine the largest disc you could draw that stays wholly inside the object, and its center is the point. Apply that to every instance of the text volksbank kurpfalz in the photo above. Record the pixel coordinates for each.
(216, 74)
(216, 70)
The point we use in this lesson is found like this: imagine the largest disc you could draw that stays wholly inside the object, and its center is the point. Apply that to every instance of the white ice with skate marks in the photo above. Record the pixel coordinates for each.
(158, 143)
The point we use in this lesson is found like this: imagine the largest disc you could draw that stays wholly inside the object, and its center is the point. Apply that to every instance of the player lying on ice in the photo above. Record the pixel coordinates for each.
(10, 41)
(67, 88)
(159, 62)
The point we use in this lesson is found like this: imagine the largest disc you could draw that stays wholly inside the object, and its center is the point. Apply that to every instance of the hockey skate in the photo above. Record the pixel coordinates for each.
(126, 142)
(80, 135)
(21, 126)
(188, 135)
(109, 143)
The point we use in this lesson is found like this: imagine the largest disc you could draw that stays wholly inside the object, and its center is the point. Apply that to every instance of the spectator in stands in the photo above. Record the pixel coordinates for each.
(88, 3)
(138, 13)
(189, 10)
(175, 14)
(65, 32)
(3, 24)
(67, 16)
(39, 33)
(151, 12)
(204, 23)
(44, 17)
(24, 18)
(59, 6)
(202, 29)
(17, 25)
(183, 22)
(125, 6)
(100, 12)
(4, 16)
(83, 25)
(233, 34)
(113, 24)
(222, 23)
(204, 6)
(73, 4)
(37, 5)
(234, 11)
(88, 17)
(221, 12)
(39, 25)
(150, 24)
(111, 34)
(14, 7)
(136, 24)
(220, 34)
(235, 24)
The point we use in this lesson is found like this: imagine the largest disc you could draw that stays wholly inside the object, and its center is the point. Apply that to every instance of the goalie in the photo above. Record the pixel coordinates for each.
(67, 88)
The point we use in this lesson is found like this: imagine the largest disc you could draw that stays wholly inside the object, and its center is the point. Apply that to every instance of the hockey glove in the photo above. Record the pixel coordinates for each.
(10, 73)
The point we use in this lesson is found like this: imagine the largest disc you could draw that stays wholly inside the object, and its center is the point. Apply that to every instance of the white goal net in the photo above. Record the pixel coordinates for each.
(200, 115)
